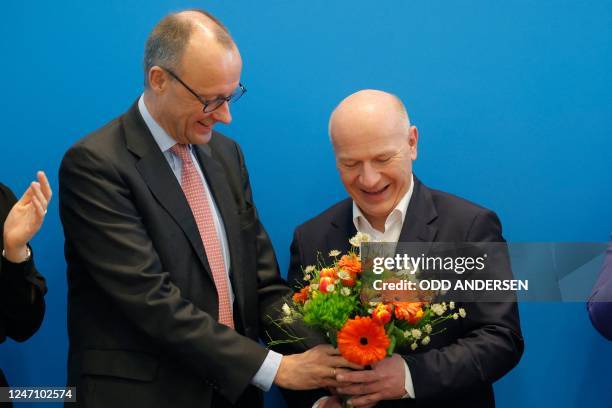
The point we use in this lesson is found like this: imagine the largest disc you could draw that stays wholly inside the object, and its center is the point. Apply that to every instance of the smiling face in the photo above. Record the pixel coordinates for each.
(374, 147)
(211, 70)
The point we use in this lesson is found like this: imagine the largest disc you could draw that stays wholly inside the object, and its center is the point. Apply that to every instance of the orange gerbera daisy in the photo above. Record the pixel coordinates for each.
(350, 263)
(409, 311)
(382, 313)
(328, 273)
(363, 341)
(302, 295)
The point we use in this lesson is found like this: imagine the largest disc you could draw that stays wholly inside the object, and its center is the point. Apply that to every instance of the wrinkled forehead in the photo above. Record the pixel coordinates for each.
(369, 144)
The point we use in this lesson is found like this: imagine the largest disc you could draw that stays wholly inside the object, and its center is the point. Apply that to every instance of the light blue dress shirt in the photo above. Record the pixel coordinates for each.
(264, 377)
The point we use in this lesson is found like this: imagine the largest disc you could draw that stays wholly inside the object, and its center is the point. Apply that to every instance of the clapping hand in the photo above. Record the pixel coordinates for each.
(25, 218)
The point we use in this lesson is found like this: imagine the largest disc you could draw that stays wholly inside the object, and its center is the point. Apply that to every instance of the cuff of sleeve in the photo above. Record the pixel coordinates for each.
(11, 271)
(408, 386)
(22, 274)
(264, 377)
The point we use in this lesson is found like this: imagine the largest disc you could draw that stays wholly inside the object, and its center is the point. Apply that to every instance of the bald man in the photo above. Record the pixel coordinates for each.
(375, 145)
(170, 271)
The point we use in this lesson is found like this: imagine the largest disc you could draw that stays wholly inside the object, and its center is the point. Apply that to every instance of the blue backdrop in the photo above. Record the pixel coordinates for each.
(513, 101)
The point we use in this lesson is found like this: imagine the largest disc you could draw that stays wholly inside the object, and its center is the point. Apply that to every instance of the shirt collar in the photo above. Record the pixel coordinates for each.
(163, 139)
(399, 211)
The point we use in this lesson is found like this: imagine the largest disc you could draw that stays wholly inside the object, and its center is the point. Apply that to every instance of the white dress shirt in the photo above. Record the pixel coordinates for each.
(264, 377)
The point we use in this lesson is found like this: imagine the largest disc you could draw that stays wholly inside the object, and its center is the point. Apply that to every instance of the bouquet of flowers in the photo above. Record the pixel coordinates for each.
(364, 331)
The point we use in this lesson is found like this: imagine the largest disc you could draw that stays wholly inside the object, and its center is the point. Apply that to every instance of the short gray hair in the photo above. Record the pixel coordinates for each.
(167, 42)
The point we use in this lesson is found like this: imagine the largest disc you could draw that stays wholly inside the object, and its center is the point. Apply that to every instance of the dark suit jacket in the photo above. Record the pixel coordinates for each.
(22, 305)
(459, 366)
(142, 304)
(600, 302)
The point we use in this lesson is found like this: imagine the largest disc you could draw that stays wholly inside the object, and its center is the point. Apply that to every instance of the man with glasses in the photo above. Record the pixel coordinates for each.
(170, 271)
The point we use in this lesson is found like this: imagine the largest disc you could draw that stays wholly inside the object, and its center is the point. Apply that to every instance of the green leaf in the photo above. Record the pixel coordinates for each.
(390, 328)
(391, 346)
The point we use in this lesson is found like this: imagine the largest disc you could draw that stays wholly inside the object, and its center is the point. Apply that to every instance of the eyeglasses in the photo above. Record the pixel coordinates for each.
(210, 106)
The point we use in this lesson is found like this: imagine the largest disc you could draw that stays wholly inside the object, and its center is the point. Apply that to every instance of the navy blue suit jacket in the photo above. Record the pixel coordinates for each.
(459, 366)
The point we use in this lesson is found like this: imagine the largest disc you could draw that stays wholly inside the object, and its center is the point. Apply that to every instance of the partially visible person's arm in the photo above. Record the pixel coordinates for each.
(600, 302)
(22, 288)
(305, 367)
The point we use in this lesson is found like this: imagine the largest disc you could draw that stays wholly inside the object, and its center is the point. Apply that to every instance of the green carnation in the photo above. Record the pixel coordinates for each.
(329, 311)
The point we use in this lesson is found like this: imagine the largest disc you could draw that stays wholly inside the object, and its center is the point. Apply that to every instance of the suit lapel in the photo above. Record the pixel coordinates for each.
(418, 231)
(342, 229)
(420, 215)
(160, 179)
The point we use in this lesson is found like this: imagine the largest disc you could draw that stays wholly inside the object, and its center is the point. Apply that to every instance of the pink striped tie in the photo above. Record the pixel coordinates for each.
(202, 211)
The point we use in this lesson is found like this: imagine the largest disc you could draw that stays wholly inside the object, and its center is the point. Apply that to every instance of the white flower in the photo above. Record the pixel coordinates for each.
(310, 268)
(344, 274)
(359, 238)
(416, 333)
(345, 291)
(370, 311)
(286, 310)
(287, 319)
(455, 316)
(334, 253)
(428, 328)
(451, 305)
(307, 277)
(331, 288)
(413, 346)
(462, 312)
(425, 340)
(437, 309)
(406, 334)
(314, 286)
